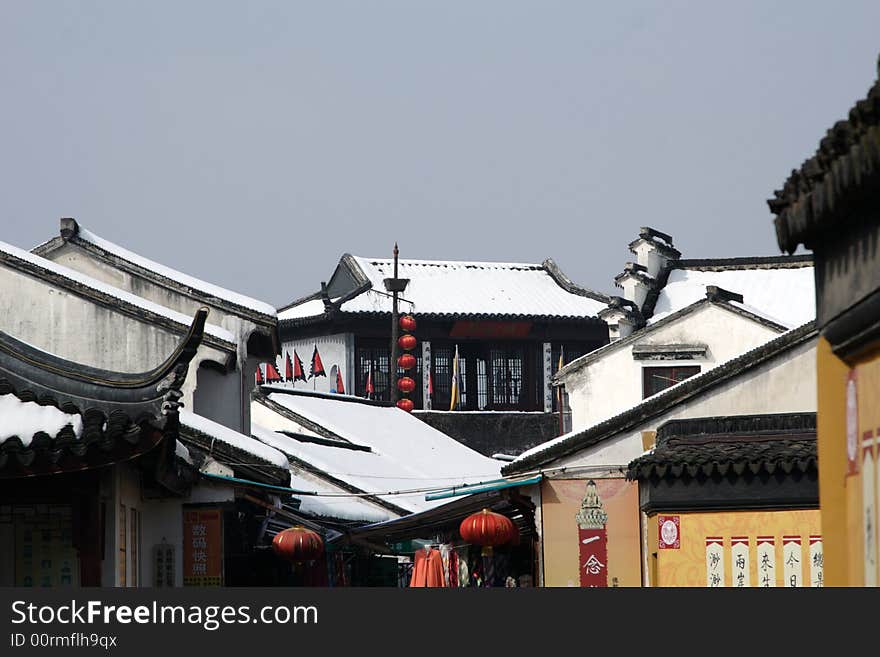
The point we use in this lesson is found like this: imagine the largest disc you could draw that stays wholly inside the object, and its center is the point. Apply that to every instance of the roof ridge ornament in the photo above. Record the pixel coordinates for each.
(716, 293)
(69, 228)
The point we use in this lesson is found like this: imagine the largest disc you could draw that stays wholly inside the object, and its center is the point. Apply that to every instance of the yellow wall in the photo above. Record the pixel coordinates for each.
(560, 502)
(840, 493)
(686, 566)
(831, 373)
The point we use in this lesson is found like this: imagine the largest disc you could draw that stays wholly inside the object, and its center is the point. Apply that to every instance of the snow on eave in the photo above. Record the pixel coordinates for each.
(25, 419)
(29, 260)
(202, 290)
(234, 439)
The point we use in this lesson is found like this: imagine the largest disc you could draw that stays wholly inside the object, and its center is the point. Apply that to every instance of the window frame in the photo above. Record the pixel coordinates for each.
(648, 371)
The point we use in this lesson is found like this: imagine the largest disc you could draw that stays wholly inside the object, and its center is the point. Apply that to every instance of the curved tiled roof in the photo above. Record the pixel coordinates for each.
(731, 446)
(458, 289)
(68, 416)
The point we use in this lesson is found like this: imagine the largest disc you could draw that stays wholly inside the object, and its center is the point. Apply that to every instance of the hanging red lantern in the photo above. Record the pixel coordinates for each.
(405, 404)
(487, 528)
(406, 342)
(406, 362)
(298, 544)
(407, 323)
(406, 384)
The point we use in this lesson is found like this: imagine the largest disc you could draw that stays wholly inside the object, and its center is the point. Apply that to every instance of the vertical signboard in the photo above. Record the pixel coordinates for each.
(592, 539)
(714, 561)
(792, 568)
(202, 546)
(817, 561)
(739, 557)
(766, 561)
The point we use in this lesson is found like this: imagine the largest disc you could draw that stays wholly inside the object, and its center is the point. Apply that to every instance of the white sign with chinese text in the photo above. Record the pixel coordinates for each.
(792, 568)
(714, 561)
(817, 562)
(739, 557)
(766, 561)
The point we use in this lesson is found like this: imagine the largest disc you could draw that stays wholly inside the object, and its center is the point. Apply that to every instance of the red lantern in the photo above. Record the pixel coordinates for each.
(298, 544)
(487, 528)
(405, 404)
(406, 342)
(407, 323)
(406, 362)
(406, 384)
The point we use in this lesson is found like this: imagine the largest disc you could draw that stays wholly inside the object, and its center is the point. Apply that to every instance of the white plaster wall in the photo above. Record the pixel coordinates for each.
(333, 349)
(787, 384)
(79, 260)
(163, 520)
(80, 330)
(613, 383)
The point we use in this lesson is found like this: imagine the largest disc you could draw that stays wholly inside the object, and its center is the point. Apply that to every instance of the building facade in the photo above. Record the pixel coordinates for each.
(508, 323)
(831, 205)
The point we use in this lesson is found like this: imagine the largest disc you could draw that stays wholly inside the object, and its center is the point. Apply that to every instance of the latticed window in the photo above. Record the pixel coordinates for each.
(493, 377)
(505, 377)
(375, 356)
(441, 366)
(655, 379)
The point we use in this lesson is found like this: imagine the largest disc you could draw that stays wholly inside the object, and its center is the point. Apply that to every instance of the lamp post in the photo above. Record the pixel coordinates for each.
(394, 285)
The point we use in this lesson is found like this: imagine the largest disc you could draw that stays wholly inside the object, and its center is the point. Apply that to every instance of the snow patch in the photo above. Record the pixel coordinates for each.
(24, 419)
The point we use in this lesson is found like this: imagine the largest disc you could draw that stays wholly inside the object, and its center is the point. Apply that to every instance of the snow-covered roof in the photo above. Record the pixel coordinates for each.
(24, 419)
(200, 287)
(234, 439)
(330, 500)
(785, 294)
(404, 452)
(74, 276)
(440, 287)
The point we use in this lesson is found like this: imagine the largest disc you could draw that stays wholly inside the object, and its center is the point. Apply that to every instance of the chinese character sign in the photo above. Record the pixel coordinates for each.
(739, 556)
(714, 561)
(792, 568)
(202, 547)
(592, 521)
(767, 561)
(817, 561)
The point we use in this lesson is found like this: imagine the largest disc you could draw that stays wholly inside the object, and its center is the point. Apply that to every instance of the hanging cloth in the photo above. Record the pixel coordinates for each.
(452, 570)
(427, 569)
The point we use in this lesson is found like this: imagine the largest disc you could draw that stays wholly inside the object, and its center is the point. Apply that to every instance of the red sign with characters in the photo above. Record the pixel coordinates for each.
(202, 547)
(593, 547)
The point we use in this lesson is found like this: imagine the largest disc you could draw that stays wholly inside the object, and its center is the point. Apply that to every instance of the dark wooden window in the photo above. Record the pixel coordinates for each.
(499, 376)
(655, 379)
(376, 354)
(506, 377)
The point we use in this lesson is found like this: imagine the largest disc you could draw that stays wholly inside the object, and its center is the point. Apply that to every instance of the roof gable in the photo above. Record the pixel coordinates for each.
(99, 292)
(781, 291)
(74, 234)
(682, 315)
(661, 402)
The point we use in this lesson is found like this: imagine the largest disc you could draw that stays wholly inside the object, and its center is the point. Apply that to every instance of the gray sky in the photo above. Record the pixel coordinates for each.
(251, 144)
